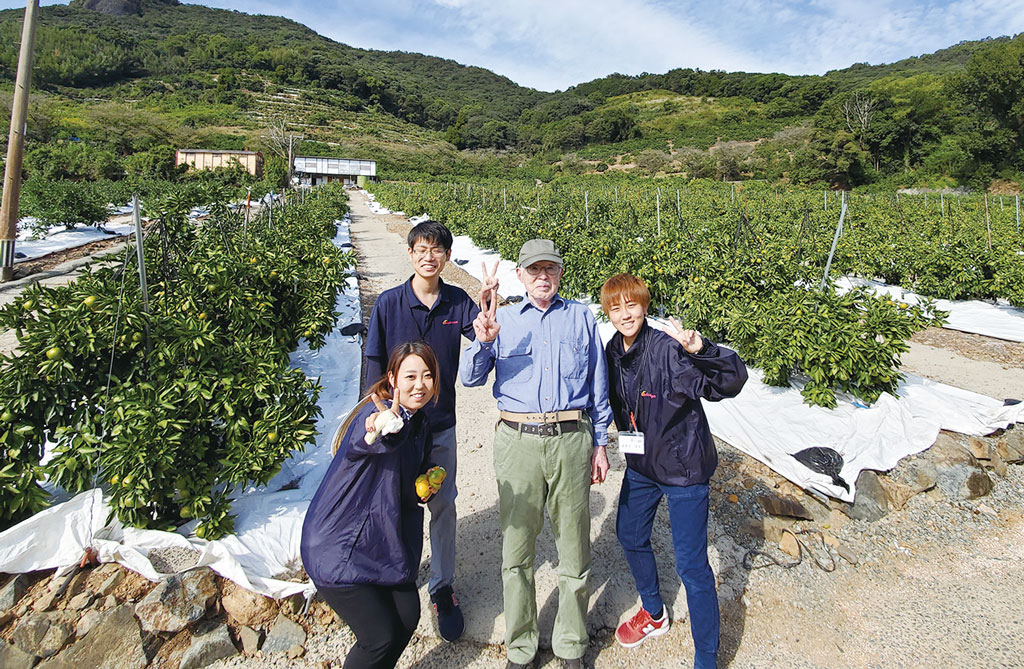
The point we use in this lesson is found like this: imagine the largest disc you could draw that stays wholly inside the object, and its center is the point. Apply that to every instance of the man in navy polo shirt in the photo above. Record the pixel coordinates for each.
(426, 308)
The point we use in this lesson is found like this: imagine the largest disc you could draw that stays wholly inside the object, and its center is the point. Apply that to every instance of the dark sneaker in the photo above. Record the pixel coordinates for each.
(578, 663)
(449, 616)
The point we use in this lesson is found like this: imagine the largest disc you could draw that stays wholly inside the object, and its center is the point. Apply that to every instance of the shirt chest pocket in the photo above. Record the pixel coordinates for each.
(514, 363)
(572, 359)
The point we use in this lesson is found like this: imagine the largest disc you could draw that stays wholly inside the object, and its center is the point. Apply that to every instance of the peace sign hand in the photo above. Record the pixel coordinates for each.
(486, 323)
(690, 340)
(488, 285)
(385, 420)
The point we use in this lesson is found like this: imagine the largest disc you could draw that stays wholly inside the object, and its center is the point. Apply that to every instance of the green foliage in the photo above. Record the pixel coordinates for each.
(177, 409)
(742, 265)
(67, 203)
(71, 160)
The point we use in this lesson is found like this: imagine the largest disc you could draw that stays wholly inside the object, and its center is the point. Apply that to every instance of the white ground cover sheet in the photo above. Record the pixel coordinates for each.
(269, 519)
(999, 320)
(770, 423)
(59, 238)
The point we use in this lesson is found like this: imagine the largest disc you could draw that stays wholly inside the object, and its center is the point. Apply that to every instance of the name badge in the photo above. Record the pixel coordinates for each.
(631, 443)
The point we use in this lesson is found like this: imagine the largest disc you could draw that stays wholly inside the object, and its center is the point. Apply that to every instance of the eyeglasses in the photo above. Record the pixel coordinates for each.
(550, 270)
(435, 251)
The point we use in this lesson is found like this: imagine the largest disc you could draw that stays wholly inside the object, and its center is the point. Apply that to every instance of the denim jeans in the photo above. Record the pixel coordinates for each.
(688, 514)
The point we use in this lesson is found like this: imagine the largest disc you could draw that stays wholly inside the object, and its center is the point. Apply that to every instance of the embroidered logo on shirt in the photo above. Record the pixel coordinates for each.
(647, 394)
(449, 322)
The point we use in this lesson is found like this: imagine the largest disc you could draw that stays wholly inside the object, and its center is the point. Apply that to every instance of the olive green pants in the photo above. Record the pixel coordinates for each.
(534, 472)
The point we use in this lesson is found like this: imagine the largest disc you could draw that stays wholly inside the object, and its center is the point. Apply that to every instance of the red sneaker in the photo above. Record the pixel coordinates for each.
(641, 626)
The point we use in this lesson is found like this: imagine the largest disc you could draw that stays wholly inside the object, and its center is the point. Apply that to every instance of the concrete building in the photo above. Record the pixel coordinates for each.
(205, 159)
(316, 170)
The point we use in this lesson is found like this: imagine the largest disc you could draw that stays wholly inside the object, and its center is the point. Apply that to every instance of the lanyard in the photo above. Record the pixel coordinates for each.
(639, 383)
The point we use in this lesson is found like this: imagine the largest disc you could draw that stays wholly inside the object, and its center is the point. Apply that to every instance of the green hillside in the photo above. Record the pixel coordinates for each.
(164, 74)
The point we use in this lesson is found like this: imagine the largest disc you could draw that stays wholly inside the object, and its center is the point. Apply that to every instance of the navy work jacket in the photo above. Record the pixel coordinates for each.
(662, 385)
(365, 524)
(399, 317)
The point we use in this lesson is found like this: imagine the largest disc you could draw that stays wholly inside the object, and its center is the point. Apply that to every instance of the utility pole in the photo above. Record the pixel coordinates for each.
(16, 145)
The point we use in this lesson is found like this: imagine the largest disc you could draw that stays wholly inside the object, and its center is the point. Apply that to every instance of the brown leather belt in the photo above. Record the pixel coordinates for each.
(543, 424)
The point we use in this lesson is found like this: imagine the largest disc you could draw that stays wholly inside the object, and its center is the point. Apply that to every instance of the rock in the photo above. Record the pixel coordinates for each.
(848, 554)
(45, 601)
(44, 634)
(110, 602)
(789, 544)
(959, 474)
(295, 652)
(767, 528)
(87, 622)
(6, 617)
(897, 493)
(208, 648)
(177, 602)
(979, 448)
(248, 608)
(115, 643)
(110, 583)
(80, 601)
(12, 657)
(294, 605)
(284, 635)
(916, 472)
(870, 503)
(1010, 447)
(250, 639)
(13, 591)
(784, 506)
(996, 464)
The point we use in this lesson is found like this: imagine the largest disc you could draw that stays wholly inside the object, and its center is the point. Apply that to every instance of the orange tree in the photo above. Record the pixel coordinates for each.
(174, 410)
(743, 270)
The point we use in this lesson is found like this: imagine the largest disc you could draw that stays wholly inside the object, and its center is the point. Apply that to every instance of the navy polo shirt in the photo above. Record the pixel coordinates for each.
(398, 317)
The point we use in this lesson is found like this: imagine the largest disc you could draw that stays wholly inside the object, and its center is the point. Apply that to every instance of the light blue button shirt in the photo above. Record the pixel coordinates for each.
(544, 361)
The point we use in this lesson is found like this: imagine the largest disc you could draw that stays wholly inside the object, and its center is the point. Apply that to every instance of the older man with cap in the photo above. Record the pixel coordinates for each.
(549, 445)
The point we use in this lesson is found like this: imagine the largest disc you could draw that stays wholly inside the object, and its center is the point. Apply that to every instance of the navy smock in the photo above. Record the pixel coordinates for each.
(365, 524)
(662, 385)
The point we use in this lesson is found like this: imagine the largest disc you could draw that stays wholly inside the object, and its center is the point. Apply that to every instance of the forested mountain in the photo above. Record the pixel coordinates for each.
(214, 78)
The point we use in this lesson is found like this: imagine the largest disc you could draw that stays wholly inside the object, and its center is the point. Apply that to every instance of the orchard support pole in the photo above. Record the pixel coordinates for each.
(658, 201)
(1017, 198)
(16, 144)
(586, 206)
(143, 287)
(835, 242)
(988, 224)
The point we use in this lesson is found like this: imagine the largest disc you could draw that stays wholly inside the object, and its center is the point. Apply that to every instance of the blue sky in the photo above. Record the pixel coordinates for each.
(553, 44)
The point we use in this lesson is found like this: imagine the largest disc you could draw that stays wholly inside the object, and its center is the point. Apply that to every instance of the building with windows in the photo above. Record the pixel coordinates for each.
(316, 170)
(207, 159)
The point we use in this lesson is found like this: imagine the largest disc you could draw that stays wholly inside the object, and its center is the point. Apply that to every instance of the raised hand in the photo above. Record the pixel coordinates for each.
(486, 323)
(690, 340)
(385, 420)
(488, 285)
(371, 420)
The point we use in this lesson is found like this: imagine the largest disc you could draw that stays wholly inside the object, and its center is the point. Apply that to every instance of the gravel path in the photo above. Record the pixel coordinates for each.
(937, 584)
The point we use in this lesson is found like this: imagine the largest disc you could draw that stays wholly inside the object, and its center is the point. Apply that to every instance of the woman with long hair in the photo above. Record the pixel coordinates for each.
(362, 536)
